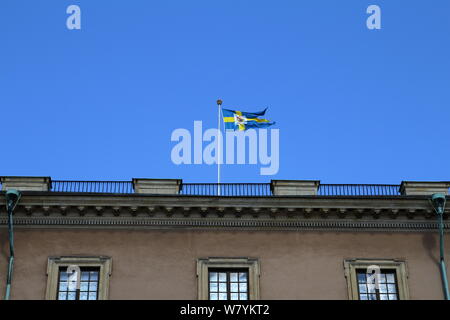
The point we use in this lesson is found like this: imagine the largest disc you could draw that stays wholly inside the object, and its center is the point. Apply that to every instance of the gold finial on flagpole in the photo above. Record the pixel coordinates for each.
(219, 102)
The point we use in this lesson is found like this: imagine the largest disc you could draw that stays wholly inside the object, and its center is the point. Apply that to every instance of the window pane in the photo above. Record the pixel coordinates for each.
(222, 276)
(62, 296)
(222, 296)
(243, 287)
(390, 277)
(84, 286)
(92, 286)
(363, 297)
(383, 297)
(234, 296)
(242, 276)
(382, 278)
(213, 276)
(71, 296)
(213, 287)
(63, 286)
(222, 287)
(233, 277)
(361, 277)
(94, 276)
(214, 296)
(383, 288)
(85, 276)
(234, 287)
(362, 288)
(83, 296)
(392, 288)
(392, 297)
(372, 297)
(63, 276)
(242, 296)
(72, 286)
(93, 296)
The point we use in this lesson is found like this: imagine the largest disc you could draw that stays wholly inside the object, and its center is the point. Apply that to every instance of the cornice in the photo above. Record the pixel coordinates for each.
(63, 210)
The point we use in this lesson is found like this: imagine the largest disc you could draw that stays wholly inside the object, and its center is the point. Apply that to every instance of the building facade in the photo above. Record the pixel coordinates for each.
(164, 239)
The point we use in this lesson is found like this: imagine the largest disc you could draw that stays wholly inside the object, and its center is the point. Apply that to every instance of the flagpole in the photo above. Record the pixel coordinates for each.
(219, 104)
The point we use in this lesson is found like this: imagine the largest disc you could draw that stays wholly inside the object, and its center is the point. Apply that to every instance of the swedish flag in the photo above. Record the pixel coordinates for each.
(244, 120)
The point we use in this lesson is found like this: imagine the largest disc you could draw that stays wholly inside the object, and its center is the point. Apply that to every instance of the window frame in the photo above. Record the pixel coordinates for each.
(397, 265)
(378, 293)
(251, 265)
(78, 292)
(228, 282)
(55, 263)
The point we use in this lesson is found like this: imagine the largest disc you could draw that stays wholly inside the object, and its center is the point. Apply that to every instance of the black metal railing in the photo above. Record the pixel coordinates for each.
(93, 186)
(359, 190)
(227, 189)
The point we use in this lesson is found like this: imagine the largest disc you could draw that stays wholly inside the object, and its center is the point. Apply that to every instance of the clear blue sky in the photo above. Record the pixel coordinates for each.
(352, 105)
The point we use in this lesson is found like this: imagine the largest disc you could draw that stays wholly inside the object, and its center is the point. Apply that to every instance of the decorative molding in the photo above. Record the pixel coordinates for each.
(263, 213)
(224, 223)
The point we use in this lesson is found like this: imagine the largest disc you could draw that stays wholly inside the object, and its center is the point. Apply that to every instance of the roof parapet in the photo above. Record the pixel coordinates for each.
(26, 183)
(422, 188)
(157, 186)
(294, 187)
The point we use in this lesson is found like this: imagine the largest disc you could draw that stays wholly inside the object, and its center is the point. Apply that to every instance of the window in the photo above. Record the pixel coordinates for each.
(228, 284)
(392, 280)
(94, 278)
(88, 290)
(387, 286)
(228, 279)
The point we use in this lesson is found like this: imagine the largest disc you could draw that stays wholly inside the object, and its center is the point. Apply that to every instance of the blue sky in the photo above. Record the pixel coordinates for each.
(352, 105)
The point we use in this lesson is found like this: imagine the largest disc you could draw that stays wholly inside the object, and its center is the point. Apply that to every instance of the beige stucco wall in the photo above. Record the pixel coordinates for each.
(162, 264)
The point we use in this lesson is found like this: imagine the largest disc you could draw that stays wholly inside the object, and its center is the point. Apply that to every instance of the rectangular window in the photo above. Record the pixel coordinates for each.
(62, 278)
(89, 284)
(392, 281)
(387, 286)
(224, 278)
(231, 284)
